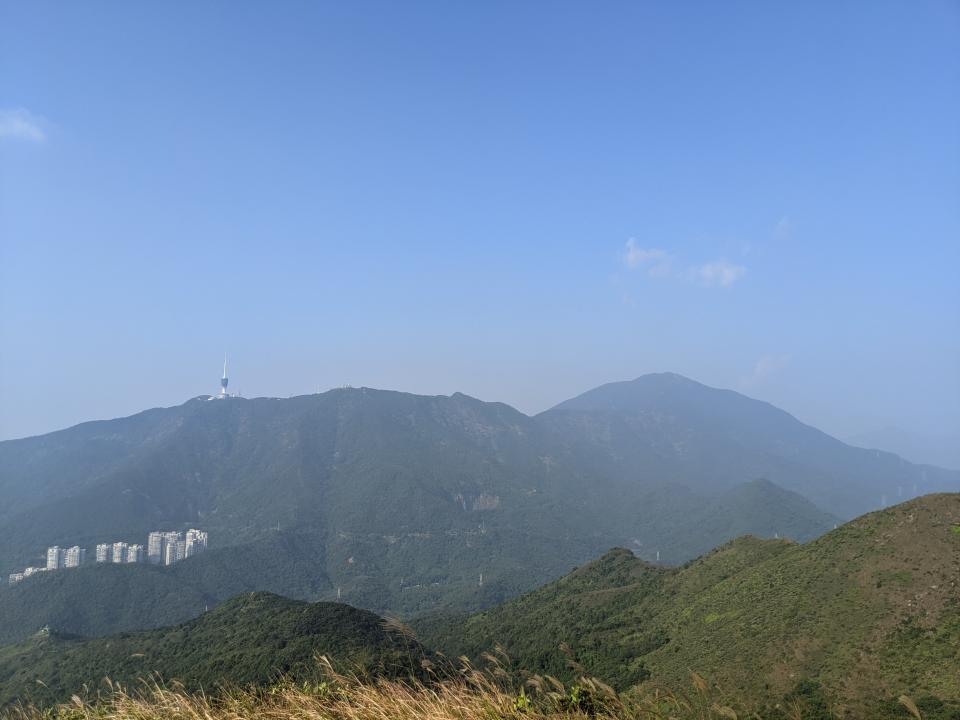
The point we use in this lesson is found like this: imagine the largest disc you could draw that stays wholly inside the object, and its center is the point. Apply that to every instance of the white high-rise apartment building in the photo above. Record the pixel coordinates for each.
(119, 552)
(15, 578)
(104, 552)
(54, 558)
(173, 547)
(169, 552)
(135, 554)
(168, 547)
(196, 542)
(155, 543)
(74, 556)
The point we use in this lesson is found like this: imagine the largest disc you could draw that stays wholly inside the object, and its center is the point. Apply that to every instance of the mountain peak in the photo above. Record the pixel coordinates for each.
(665, 377)
(645, 390)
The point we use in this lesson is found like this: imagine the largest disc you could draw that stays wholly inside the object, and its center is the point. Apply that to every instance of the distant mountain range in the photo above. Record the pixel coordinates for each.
(669, 427)
(400, 502)
(864, 614)
(936, 450)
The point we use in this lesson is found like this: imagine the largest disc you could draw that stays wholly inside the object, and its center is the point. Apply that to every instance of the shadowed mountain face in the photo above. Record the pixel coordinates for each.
(869, 611)
(252, 639)
(402, 501)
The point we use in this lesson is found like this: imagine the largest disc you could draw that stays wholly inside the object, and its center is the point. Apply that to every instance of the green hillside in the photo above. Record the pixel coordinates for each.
(866, 612)
(846, 623)
(103, 599)
(402, 501)
(249, 640)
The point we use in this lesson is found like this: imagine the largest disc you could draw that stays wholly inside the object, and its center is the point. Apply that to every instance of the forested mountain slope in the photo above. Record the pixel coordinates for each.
(868, 611)
(253, 639)
(402, 501)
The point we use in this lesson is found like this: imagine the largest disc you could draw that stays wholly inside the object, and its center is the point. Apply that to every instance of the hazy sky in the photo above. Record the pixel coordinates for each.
(515, 200)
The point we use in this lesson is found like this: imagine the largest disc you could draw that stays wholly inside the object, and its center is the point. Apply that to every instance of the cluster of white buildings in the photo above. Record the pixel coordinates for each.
(163, 548)
(166, 548)
(119, 552)
(57, 557)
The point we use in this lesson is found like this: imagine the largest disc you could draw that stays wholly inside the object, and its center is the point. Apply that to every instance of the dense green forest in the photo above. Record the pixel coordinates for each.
(253, 639)
(101, 599)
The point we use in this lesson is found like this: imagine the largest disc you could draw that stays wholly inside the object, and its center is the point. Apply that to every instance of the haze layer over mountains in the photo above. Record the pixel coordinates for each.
(401, 502)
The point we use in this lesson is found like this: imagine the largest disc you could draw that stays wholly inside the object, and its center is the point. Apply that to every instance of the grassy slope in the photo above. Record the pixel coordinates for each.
(869, 610)
(252, 639)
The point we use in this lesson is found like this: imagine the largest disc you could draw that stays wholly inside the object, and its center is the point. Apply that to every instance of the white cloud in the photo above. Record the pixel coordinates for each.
(657, 262)
(765, 368)
(719, 273)
(20, 124)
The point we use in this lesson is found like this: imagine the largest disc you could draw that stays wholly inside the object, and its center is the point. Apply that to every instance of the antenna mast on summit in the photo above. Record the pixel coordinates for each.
(223, 380)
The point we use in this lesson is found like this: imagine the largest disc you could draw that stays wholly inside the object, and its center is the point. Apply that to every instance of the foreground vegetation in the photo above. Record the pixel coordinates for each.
(843, 627)
(870, 610)
(467, 695)
(840, 626)
(250, 640)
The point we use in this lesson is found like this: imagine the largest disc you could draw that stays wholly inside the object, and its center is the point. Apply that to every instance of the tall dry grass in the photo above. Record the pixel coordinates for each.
(470, 695)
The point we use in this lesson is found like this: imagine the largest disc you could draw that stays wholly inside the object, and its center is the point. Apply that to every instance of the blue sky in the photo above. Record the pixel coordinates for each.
(519, 201)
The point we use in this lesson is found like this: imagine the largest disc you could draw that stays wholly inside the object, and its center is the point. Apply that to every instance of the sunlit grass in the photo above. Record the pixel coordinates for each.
(469, 694)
